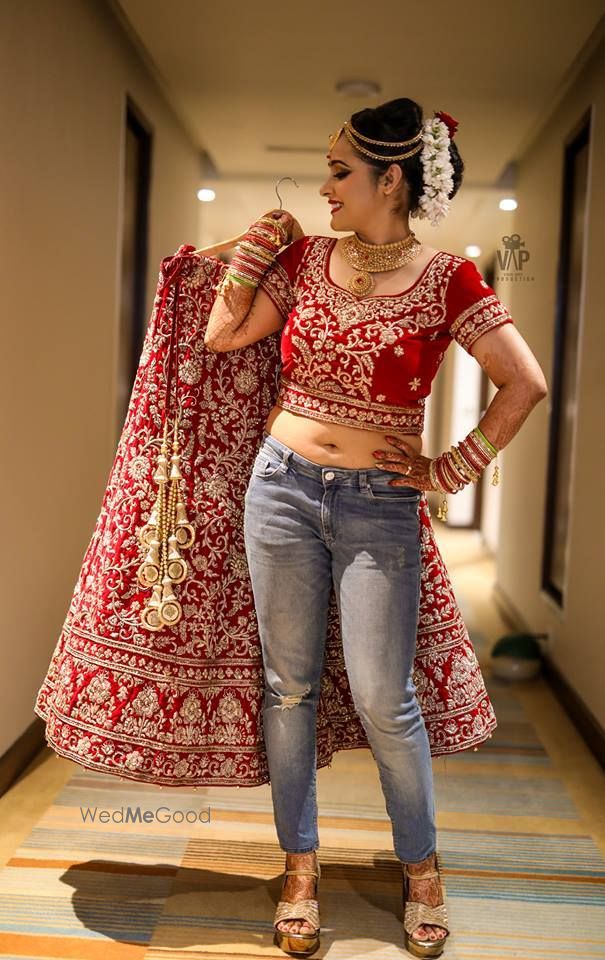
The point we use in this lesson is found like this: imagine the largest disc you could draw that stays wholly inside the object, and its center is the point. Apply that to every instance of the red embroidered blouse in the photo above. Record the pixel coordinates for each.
(370, 362)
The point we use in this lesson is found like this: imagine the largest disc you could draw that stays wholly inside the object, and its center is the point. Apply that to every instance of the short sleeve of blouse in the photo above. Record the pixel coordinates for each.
(279, 279)
(472, 306)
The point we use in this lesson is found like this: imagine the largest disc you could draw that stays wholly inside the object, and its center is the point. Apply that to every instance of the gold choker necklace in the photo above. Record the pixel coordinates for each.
(368, 258)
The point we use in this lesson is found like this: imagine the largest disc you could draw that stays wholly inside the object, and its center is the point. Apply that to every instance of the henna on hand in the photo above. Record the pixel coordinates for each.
(413, 467)
(290, 224)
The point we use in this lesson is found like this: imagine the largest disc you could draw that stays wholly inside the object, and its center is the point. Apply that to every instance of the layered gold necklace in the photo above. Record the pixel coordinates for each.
(369, 258)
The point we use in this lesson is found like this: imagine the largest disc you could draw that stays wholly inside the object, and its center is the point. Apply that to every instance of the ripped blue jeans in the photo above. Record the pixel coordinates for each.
(308, 527)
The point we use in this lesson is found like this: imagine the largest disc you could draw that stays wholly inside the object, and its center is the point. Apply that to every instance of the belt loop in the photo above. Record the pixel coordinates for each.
(363, 480)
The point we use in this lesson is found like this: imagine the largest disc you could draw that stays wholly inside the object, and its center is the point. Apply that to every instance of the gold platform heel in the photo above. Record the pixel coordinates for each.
(298, 944)
(416, 914)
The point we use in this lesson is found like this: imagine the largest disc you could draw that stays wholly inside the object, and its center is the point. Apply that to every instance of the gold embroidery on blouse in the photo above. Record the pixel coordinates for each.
(276, 284)
(324, 405)
(477, 319)
(340, 339)
(339, 342)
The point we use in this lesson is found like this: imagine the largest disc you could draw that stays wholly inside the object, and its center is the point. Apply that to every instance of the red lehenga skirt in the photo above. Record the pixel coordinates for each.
(181, 706)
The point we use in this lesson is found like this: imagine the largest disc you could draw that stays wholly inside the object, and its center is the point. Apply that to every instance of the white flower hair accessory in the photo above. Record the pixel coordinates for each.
(438, 171)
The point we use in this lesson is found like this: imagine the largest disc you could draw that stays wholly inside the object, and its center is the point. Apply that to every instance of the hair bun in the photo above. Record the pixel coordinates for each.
(404, 119)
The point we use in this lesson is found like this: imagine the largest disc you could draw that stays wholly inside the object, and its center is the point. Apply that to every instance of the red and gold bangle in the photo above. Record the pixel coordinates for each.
(468, 472)
(462, 464)
(453, 480)
(433, 477)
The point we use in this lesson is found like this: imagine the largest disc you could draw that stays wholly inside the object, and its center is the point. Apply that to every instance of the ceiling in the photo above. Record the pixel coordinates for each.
(254, 85)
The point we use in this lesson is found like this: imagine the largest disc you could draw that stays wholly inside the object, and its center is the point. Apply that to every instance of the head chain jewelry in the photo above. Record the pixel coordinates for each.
(433, 140)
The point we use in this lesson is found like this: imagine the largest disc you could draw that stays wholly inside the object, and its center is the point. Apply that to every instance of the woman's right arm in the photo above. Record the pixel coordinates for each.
(236, 321)
(243, 314)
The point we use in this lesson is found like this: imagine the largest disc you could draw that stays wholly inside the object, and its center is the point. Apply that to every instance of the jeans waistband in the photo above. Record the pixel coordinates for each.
(356, 477)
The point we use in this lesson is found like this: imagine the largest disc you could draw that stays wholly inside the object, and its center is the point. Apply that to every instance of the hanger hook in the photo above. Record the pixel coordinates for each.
(281, 203)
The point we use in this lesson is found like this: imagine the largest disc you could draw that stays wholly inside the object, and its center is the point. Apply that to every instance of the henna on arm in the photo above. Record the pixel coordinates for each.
(231, 311)
(233, 305)
(512, 367)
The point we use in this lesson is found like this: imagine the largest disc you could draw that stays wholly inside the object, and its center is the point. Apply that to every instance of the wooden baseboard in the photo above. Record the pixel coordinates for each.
(19, 756)
(583, 719)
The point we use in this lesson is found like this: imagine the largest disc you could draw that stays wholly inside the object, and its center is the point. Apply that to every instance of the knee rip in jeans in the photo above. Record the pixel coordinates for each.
(289, 700)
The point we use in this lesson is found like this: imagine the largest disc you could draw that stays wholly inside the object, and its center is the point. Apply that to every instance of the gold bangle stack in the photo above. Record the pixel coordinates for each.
(463, 467)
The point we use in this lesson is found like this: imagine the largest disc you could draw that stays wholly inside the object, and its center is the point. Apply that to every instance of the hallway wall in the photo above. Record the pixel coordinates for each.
(578, 650)
(65, 70)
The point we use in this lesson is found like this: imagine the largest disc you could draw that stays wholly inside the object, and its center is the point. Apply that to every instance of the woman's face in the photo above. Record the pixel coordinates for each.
(351, 184)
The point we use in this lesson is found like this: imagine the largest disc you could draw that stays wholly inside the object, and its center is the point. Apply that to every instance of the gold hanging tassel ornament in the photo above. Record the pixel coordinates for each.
(496, 474)
(165, 533)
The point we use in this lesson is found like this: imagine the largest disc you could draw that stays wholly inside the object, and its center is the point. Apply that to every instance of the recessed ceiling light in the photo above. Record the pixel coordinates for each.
(472, 250)
(358, 88)
(508, 203)
(206, 195)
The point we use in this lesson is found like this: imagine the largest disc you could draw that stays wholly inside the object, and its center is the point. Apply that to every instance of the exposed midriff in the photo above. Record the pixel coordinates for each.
(331, 444)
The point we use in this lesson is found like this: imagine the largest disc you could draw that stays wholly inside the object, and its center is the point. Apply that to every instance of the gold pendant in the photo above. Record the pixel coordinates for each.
(361, 283)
